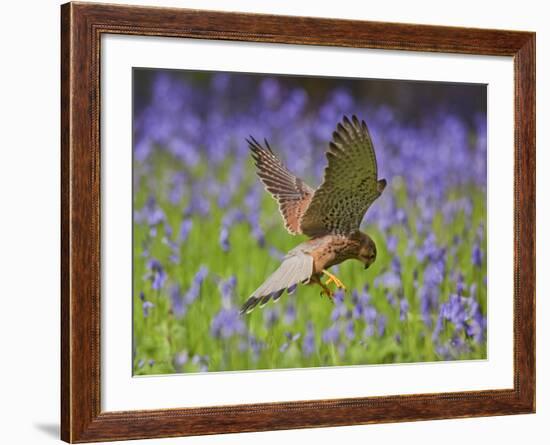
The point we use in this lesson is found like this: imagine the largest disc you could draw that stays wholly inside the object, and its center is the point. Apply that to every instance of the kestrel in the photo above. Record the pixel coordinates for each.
(330, 215)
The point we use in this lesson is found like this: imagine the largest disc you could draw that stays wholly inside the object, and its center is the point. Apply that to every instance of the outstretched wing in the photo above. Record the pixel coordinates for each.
(295, 268)
(350, 184)
(292, 194)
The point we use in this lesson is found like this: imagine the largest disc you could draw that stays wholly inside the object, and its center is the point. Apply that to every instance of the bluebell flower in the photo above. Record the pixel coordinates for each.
(224, 239)
(180, 360)
(391, 244)
(202, 361)
(227, 323)
(369, 330)
(308, 344)
(389, 279)
(391, 298)
(350, 330)
(331, 335)
(194, 291)
(271, 317)
(147, 306)
(177, 303)
(157, 274)
(254, 346)
(381, 325)
(270, 90)
(185, 229)
(227, 289)
(290, 339)
(290, 313)
(403, 309)
(477, 255)
(175, 194)
(151, 213)
(258, 234)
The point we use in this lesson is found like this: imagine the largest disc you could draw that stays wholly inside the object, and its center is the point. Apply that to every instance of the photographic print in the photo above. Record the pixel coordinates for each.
(298, 221)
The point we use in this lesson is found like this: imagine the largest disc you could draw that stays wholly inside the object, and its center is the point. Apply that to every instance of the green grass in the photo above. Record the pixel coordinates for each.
(161, 336)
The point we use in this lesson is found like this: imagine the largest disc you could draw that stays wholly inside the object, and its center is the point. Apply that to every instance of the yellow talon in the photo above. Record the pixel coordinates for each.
(326, 291)
(333, 279)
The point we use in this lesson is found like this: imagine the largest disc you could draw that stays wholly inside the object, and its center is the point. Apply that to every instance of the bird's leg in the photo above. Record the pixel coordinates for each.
(333, 279)
(325, 290)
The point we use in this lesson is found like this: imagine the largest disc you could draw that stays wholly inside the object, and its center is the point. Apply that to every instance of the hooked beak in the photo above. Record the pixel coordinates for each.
(367, 266)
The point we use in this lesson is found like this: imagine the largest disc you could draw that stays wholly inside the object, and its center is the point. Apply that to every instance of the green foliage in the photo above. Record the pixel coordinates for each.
(161, 337)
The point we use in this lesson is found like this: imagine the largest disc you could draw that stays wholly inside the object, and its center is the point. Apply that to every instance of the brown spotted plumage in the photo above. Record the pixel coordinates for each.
(330, 215)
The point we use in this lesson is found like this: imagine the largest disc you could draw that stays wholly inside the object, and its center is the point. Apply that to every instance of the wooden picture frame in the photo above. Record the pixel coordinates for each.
(82, 25)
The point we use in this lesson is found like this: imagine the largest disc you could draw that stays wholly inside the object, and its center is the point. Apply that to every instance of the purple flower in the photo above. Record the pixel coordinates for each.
(224, 239)
(465, 314)
(454, 310)
(331, 335)
(291, 338)
(194, 291)
(350, 330)
(389, 280)
(227, 323)
(477, 255)
(340, 309)
(147, 306)
(252, 344)
(369, 314)
(156, 274)
(477, 323)
(233, 216)
(202, 361)
(185, 229)
(270, 90)
(180, 360)
(430, 250)
(176, 191)
(391, 298)
(227, 290)
(392, 244)
(308, 344)
(258, 234)
(381, 325)
(284, 347)
(403, 309)
(199, 204)
(151, 214)
(369, 331)
(290, 314)
(271, 317)
(177, 303)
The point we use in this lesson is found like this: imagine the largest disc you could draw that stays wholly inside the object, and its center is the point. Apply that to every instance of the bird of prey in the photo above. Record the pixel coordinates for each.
(330, 215)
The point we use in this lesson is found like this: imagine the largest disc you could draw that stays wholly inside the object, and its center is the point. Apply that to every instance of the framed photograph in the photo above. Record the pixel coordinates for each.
(275, 222)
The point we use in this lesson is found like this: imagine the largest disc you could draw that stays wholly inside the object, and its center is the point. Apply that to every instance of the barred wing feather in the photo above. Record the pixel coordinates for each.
(350, 184)
(292, 194)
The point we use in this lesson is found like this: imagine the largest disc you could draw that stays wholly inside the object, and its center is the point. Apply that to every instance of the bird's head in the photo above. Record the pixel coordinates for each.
(366, 253)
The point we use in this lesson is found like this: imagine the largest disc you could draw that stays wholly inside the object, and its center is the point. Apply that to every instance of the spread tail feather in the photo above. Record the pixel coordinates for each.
(294, 269)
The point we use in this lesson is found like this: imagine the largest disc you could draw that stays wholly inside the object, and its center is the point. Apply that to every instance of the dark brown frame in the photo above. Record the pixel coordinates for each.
(82, 25)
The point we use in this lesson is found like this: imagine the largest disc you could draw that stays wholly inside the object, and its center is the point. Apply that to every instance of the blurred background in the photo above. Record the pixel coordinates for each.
(206, 234)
